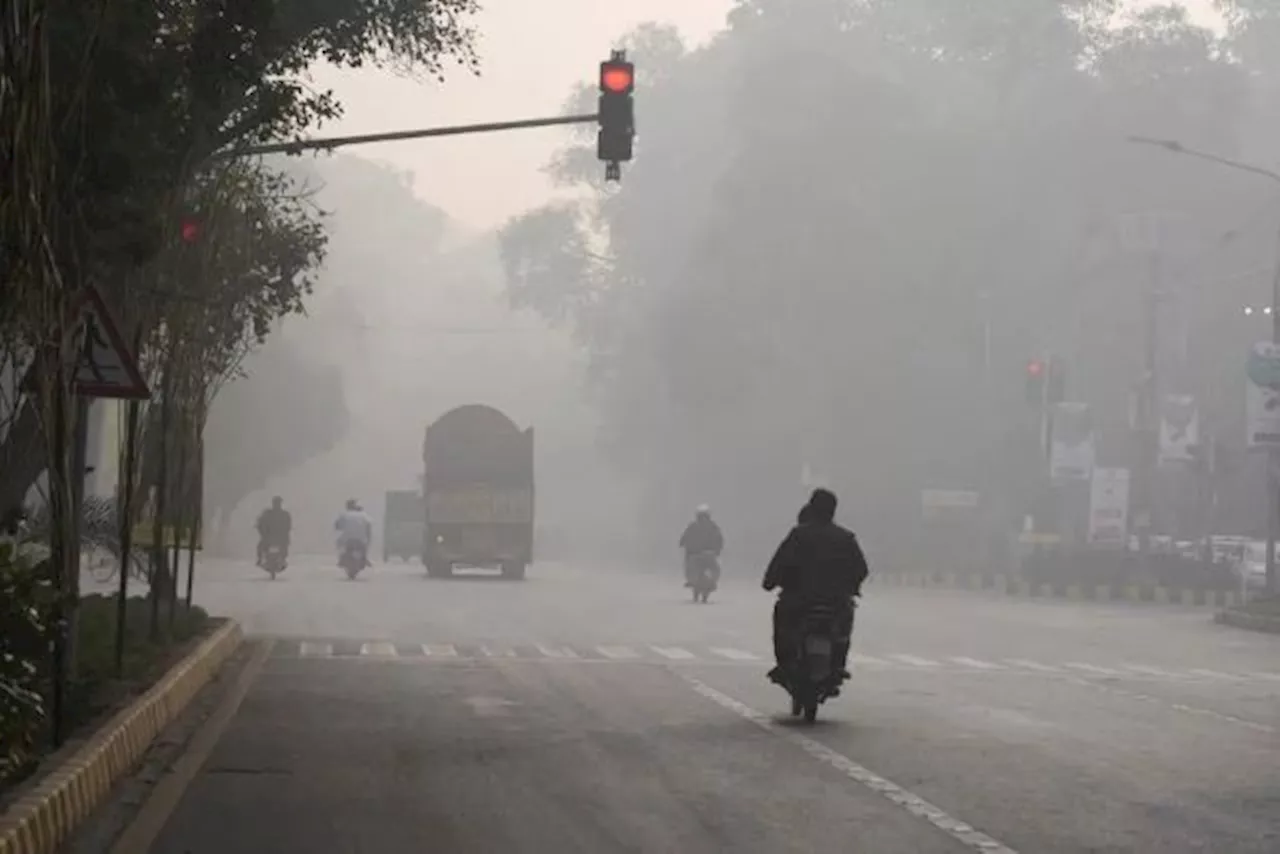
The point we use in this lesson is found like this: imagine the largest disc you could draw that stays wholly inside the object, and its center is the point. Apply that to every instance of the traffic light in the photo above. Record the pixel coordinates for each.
(1035, 382)
(616, 114)
(189, 229)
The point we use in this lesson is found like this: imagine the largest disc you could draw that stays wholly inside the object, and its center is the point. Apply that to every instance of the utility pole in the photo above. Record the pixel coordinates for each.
(1148, 434)
(1273, 452)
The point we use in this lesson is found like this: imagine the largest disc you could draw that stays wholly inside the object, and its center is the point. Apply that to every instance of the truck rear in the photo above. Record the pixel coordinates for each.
(478, 492)
(403, 520)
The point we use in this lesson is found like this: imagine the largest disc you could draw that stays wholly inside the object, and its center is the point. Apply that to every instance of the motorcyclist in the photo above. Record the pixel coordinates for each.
(354, 526)
(820, 561)
(274, 528)
(702, 536)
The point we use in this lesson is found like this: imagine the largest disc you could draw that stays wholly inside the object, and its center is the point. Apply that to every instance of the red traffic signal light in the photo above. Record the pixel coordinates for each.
(617, 77)
(1035, 368)
(190, 230)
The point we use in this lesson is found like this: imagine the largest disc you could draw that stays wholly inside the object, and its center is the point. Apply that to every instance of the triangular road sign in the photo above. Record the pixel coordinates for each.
(105, 367)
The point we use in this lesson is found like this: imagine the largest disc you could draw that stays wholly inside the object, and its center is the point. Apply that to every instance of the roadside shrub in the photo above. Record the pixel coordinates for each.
(26, 599)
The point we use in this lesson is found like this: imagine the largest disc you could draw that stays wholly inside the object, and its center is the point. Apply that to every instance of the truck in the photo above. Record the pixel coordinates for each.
(402, 525)
(478, 494)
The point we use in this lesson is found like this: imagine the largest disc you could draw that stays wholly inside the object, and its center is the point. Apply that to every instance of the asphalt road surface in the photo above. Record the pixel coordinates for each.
(585, 711)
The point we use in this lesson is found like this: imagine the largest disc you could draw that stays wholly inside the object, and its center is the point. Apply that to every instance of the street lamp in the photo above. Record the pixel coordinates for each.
(1273, 453)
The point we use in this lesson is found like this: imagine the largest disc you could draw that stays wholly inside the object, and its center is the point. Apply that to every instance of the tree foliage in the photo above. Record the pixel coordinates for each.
(833, 198)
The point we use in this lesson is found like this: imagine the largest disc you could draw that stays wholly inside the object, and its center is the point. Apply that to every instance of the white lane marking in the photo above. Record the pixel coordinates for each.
(1093, 668)
(912, 803)
(1148, 670)
(618, 652)
(557, 652)
(440, 650)
(673, 652)
(914, 660)
(1214, 674)
(976, 663)
(1178, 707)
(380, 649)
(312, 649)
(735, 654)
(490, 707)
(497, 652)
(859, 659)
(1270, 677)
(1032, 665)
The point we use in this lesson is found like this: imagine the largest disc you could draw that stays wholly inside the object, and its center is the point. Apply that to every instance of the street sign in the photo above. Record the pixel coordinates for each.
(1262, 396)
(105, 367)
(1179, 429)
(1072, 451)
(1109, 507)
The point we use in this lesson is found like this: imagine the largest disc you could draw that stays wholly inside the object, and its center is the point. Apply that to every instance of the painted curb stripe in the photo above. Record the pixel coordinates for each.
(45, 818)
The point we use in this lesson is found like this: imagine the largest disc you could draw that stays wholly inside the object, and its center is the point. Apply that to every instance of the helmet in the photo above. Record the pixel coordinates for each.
(704, 510)
(277, 501)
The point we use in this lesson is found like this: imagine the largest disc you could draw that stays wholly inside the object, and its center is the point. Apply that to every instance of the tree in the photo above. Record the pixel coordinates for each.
(823, 200)
(159, 88)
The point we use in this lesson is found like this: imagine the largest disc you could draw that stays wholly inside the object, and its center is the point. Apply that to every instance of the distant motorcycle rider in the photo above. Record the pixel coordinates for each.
(354, 526)
(818, 561)
(275, 526)
(702, 536)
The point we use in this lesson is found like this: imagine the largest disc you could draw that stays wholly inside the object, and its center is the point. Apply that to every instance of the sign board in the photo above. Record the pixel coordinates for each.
(1109, 507)
(1179, 429)
(1072, 452)
(1262, 396)
(943, 503)
(104, 367)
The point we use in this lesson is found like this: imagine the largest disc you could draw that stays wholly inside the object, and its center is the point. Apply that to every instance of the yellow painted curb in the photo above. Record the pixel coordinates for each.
(45, 817)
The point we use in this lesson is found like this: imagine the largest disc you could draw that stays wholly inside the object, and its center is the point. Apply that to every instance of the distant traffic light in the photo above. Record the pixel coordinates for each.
(189, 229)
(1035, 382)
(616, 114)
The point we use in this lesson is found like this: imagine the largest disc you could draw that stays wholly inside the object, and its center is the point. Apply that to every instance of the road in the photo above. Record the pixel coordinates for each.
(599, 712)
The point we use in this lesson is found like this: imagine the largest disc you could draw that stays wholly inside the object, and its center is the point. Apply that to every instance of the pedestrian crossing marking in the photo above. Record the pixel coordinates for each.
(440, 650)
(735, 654)
(557, 652)
(736, 657)
(621, 653)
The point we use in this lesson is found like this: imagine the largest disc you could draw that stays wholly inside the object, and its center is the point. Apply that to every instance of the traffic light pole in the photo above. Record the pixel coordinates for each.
(332, 142)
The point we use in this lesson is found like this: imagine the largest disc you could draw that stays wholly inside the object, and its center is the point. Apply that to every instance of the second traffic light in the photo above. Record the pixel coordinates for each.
(1046, 383)
(616, 114)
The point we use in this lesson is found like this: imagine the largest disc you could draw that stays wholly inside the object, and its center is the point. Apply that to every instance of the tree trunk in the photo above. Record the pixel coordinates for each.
(161, 578)
(22, 457)
(125, 510)
(180, 515)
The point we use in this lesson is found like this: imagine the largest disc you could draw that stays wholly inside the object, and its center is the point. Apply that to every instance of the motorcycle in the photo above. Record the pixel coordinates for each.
(813, 676)
(354, 558)
(274, 561)
(704, 572)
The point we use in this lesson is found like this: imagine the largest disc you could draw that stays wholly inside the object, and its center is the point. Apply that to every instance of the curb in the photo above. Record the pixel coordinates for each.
(1251, 622)
(45, 817)
(1018, 587)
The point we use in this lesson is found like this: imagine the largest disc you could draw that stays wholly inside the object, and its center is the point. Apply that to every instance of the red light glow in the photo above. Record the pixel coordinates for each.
(616, 78)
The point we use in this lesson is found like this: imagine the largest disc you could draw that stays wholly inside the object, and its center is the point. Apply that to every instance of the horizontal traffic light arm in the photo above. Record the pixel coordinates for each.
(332, 142)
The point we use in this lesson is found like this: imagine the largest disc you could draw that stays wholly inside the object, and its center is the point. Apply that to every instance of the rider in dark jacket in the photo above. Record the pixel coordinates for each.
(702, 536)
(275, 526)
(818, 561)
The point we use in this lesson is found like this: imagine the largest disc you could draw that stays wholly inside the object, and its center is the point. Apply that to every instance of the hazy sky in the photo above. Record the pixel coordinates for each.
(532, 55)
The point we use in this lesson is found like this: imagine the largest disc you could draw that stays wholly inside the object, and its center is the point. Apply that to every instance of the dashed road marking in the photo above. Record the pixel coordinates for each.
(859, 660)
(914, 660)
(1147, 670)
(1092, 668)
(975, 663)
(311, 649)
(674, 653)
(497, 652)
(1214, 674)
(1032, 665)
(912, 803)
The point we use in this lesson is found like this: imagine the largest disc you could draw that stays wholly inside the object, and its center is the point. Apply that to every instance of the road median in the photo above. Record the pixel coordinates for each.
(66, 794)
(1260, 615)
(1015, 586)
